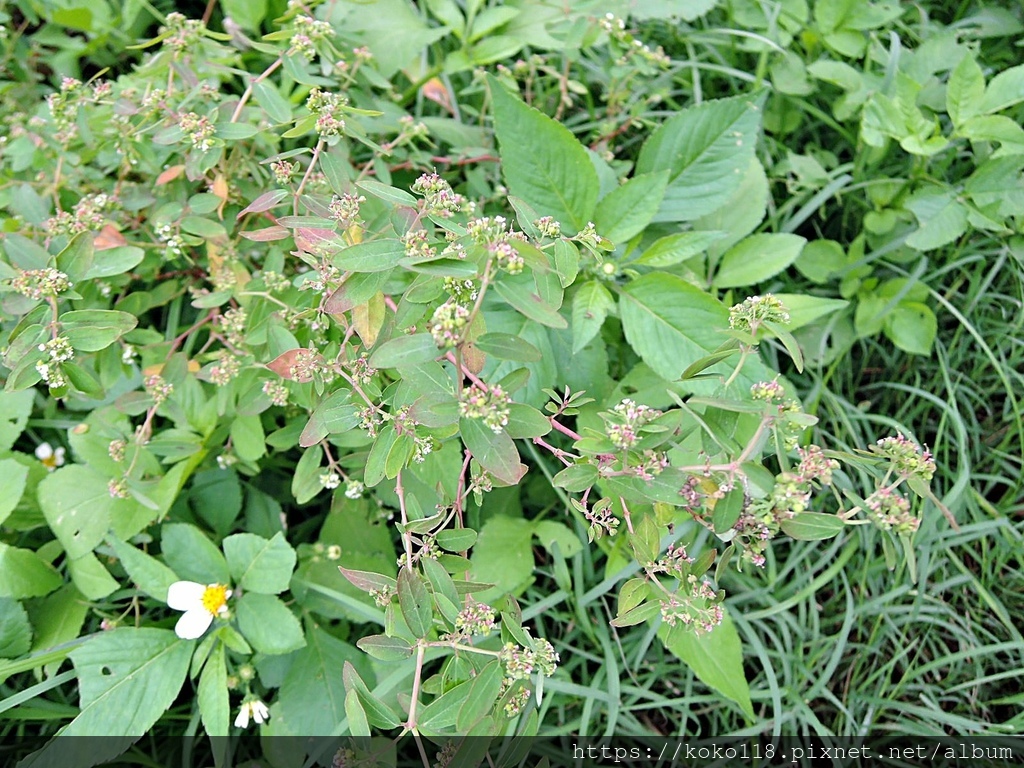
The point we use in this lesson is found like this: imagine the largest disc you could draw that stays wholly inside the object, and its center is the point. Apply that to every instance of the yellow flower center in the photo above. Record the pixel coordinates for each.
(214, 598)
(50, 462)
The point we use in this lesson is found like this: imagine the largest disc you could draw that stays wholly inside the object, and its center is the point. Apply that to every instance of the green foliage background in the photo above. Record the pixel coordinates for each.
(861, 161)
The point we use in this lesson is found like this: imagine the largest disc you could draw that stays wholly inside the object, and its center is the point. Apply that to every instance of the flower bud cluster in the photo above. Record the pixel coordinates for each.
(547, 226)
(276, 391)
(907, 457)
(417, 245)
(198, 129)
(232, 325)
(891, 512)
(602, 521)
(330, 480)
(183, 32)
(41, 283)
(754, 311)
(118, 488)
(438, 197)
(87, 216)
(329, 110)
(517, 701)
(345, 209)
(588, 236)
(616, 29)
(475, 619)
(308, 32)
(157, 388)
(625, 421)
(462, 291)
(696, 606)
(354, 489)
(521, 662)
(815, 465)
(447, 323)
(675, 562)
(51, 374)
(360, 370)
(58, 349)
(283, 170)
(227, 369)
(165, 234)
(116, 449)
(490, 404)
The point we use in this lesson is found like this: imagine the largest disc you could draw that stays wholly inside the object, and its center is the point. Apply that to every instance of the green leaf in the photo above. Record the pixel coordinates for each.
(191, 554)
(456, 539)
(1004, 90)
(405, 351)
(258, 564)
(213, 693)
(675, 249)
(77, 505)
(628, 209)
(247, 13)
(268, 624)
(278, 108)
(590, 306)
(812, 526)
(646, 540)
(357, 723)
(15, 408)
(483, 692)
(127, 679)
(576, 478)
(941, 217)
(505, 346)
(335, 415)
(15, 631)
(149, 574)
(965, 91)
(550, 532)
(804, 310)
(494, 450)
(525, 421)
(706, 149)
(312, 696)
(385, 648)
(248, 437)
(756, 258)
(715, 657)
(13, 476)
(912, 326)
(542, 161)
(371, 256)
(90, 330)
(503, 556)
(77, 257)
(387, 193)
(216, 497)
(378, 713)
(24, 574)
(530, 304)
(414, 600)
(727, 510)
(670, 323)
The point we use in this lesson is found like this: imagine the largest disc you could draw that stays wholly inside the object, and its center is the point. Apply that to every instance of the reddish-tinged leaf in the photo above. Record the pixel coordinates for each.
(108, 238)
(367, 580)
(264, 202)
(266, 234)
(311, 240)
(170, 175)
(286, 361)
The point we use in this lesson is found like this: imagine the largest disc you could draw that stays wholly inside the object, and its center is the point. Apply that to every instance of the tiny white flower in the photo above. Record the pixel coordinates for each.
(51, 458)
(254, 709)
(201, 603)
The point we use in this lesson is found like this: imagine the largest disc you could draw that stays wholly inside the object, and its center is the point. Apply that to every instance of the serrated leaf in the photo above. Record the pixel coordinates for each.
(258, 564)
(628, 209)
(707, 149)
(148, 573)
(716, 657)
(756, 258)
(542, 161)
(268, 624)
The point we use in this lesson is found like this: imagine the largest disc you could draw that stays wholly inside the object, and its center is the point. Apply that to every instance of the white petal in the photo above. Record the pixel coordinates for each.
(260, 713)
(242, 720)
(185, 595)
(44, 451)
(193, 623)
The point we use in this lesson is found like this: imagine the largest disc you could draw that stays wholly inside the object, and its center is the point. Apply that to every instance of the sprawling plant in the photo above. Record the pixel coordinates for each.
(309, 358)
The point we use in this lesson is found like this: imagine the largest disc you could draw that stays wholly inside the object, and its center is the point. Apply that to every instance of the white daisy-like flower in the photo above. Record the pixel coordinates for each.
(201, 603)
(254, 709)
(51, 458)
